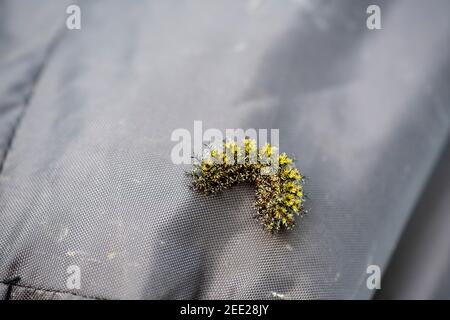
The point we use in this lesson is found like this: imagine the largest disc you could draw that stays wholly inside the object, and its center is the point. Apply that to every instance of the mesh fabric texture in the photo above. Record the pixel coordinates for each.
(86, 118)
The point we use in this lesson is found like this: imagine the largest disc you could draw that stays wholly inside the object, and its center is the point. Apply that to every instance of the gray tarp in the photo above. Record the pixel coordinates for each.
(86, 117)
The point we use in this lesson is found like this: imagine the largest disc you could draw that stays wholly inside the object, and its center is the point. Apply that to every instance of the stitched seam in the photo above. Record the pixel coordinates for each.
(10, 283)
(52, 290)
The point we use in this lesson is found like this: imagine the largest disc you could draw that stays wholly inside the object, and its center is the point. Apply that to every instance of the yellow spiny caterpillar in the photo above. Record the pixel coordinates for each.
(279, 193)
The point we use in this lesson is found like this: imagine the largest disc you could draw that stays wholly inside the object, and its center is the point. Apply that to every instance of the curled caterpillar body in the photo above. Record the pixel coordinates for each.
(279, 192)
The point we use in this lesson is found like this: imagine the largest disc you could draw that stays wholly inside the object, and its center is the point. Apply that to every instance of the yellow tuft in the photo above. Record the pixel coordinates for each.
(206, 165)
(284, 159)
(267, 150)
(249, 145)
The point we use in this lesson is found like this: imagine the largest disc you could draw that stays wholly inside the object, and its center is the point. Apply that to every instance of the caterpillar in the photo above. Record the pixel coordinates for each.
(279, 194)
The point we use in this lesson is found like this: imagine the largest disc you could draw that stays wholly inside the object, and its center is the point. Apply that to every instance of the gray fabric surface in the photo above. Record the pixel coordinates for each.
(87, 178)
(420, 265)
